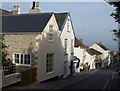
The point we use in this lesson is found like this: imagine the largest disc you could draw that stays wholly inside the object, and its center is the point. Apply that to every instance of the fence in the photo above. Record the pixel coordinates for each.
(8, 67)
(28, 76)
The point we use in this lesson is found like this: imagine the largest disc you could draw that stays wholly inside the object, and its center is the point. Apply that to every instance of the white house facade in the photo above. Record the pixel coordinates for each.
(79, 52)
(48, 42)
(89, 59)
(67, 41)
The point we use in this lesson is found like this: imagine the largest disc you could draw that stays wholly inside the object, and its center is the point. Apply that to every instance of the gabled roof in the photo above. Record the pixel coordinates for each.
(95, 51)
(79, 43)
(102, 46)
(25, 22)
(61, 18)
(5, 12)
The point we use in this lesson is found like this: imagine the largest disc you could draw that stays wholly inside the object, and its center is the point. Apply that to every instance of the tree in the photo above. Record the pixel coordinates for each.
(116, 16)
(3, 48)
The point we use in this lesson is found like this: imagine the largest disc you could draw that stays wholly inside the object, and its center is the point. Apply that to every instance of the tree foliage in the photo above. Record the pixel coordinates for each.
(116, 13)
(116, 16)
(3, 48)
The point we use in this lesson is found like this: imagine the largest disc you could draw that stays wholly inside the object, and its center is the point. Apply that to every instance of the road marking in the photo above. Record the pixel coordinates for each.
(105, 85)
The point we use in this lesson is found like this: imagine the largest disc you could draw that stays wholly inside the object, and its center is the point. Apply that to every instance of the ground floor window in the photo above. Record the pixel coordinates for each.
(22, 59)
(49, 62)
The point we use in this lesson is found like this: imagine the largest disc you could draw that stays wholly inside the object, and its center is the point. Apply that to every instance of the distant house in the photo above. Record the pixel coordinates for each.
(105, 53)
(33, 41)
(67, 37)
(86, 56)
(89, 57)
(97, 60)
(79, 52)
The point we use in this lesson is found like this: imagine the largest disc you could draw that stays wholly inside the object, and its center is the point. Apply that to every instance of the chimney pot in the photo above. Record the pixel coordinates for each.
(33, 4)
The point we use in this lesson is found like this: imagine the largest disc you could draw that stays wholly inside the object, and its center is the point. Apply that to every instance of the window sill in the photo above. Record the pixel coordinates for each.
(23, 65)
(50, 73)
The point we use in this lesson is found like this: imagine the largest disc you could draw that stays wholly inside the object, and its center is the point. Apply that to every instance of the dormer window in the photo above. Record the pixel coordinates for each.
(51, 30)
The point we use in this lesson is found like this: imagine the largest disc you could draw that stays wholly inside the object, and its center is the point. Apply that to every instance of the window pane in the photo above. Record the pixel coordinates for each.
(16, 58)
(49, 62)
(26, 59)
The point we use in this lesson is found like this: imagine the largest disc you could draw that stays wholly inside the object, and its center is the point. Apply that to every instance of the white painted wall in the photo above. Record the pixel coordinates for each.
(79, 53)
(69, 36)
(84, 57)
(90, 59)
(44, 46)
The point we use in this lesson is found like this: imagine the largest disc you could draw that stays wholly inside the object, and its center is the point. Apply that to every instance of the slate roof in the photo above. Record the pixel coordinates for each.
(79, 43)
(61, 18)
(25, 22)
(95, 51)
(102, 46)
(5, 12)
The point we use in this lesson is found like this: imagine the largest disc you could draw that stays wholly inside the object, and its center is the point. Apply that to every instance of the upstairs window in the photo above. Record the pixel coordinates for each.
(51, 30)
(22, 59)
(65, 46)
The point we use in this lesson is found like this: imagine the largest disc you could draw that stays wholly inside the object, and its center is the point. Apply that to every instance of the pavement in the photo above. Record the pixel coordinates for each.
(59, 83)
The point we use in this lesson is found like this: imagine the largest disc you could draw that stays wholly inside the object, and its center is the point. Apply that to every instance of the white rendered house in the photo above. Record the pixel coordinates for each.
(79, 52)
(67, 41)
(105, 53)
(84, 54)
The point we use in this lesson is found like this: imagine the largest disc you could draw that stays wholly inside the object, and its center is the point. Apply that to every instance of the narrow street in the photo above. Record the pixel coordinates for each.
(103, 79)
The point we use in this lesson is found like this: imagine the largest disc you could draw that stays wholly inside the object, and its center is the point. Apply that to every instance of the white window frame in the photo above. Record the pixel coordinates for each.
(21, 64)
(52, 71)
(51, 34)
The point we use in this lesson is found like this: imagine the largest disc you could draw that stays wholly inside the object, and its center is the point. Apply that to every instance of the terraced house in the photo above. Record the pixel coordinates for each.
(33, 41)
(67, 37)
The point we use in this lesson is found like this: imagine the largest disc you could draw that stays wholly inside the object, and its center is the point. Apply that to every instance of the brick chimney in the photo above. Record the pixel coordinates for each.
(15, 10)
(35, 8)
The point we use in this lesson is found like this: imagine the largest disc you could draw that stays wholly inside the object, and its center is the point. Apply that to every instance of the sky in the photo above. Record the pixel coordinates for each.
(91, 20)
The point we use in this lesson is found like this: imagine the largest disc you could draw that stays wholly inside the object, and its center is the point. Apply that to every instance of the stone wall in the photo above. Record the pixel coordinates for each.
(21, 43)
